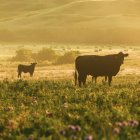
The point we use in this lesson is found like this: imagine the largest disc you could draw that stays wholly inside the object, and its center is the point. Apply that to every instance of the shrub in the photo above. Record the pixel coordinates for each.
(45, 54)
(67, 58)
(23, 55)
(96, 50)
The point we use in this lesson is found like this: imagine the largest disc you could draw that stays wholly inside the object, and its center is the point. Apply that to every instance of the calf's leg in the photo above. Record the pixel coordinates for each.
(19, 74)
(31, 74)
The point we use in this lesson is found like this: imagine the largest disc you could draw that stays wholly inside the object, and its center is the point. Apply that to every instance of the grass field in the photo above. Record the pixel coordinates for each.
(56, 109)
(43, 70)
(49, 106)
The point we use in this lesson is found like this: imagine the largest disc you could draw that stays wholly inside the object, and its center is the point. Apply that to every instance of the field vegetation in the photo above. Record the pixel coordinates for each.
(56, 109)
(53, 33)
(48, 105)
(57, 61)
(45, 54)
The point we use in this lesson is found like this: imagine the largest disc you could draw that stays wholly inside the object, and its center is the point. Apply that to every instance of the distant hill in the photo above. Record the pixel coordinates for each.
(73, 21)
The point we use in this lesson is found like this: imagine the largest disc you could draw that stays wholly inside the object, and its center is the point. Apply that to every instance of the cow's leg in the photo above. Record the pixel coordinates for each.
(109, 80)
(95, 79)
(105, 78)
(84, 79)
(79, 79)
(92, 78)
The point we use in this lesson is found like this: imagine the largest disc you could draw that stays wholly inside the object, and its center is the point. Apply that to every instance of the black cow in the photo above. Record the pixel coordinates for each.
(26, 68)
(95, 65)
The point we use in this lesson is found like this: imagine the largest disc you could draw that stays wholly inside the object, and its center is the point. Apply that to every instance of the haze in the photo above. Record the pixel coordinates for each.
(70, 21)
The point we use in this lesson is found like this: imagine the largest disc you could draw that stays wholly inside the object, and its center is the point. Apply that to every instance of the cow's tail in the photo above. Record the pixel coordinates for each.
(75, 76)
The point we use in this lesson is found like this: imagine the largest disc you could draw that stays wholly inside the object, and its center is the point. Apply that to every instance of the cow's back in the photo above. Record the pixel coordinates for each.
(97, 65)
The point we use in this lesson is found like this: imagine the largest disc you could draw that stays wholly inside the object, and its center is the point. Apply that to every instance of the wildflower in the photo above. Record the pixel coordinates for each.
(78, 128)
(62, 132)
(110, 124)
(119, 124)
(116, 130)
(71, 127)
(65, 105)
(136, 123)
(31, 137)
(31, 103)
(35, 102)
(48, 113)
(74, 137)
(132, 123)
(34, 113)
(124, 123)
(88, 138)
(10, 108)
(34, 97)
(10, 122)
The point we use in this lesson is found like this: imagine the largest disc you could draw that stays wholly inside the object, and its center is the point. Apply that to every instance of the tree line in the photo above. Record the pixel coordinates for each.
(45, 54)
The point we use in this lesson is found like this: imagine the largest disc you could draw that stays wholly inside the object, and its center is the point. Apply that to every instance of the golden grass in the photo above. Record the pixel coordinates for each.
(130, 67)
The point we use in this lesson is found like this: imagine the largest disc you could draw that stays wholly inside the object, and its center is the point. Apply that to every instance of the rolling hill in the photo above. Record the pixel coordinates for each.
(70, 21)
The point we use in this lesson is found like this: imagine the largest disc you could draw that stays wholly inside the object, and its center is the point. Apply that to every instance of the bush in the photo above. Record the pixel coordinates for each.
(96, 50)
(45, 54)
(67, 58)
(23, 55)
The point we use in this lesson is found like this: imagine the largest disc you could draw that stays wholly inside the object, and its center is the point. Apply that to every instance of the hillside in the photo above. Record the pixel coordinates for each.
(73, 21)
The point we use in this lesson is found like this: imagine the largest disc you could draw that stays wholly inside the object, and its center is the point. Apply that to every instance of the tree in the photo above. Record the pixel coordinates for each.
(67, 58)
(23, 55)
(46, 54)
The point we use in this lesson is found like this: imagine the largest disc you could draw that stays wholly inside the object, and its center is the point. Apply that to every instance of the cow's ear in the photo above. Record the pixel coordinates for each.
(125, 55)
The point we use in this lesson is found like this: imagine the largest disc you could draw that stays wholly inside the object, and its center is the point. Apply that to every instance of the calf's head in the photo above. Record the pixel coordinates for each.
(33, 64)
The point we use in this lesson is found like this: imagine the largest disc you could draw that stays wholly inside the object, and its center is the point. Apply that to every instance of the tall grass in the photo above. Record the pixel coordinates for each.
(54, 109)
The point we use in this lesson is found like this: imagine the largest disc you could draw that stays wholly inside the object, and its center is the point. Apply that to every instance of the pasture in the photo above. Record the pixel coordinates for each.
(49, 106)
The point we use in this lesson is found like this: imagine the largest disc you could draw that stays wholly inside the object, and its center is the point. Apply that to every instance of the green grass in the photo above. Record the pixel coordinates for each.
(96, 109)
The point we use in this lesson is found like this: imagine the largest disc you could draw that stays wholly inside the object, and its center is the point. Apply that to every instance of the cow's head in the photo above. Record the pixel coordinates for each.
(120, 57)
(33, 63)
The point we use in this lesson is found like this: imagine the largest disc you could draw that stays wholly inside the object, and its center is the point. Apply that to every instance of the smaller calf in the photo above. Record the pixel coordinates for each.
(26, 68)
